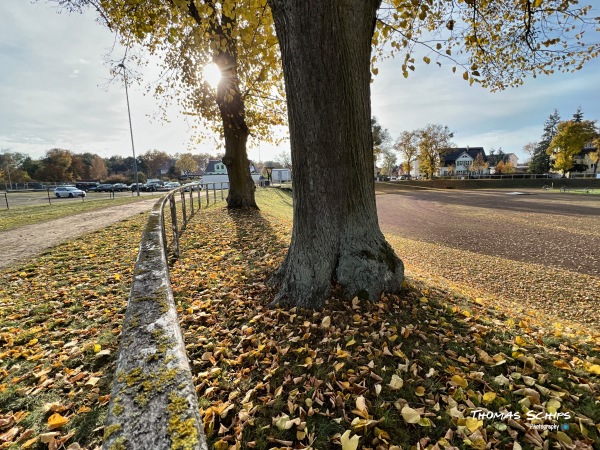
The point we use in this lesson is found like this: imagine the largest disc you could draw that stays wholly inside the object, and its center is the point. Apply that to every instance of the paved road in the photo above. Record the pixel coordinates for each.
(22, 243)
(29, 198)
(561, 230)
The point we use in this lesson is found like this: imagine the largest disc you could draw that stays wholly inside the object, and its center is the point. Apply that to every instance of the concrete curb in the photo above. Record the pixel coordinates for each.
(153, 401)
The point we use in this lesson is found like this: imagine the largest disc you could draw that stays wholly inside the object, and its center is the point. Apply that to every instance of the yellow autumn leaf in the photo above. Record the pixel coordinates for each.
(424, 422)
(489, 397)
(457, 380)
(594, 368)
(553, 405)
(410, 415)
(97, 348)
(349, 443)
(473, 424)
(520, 341)
(29, 444)
(221, 445)
(326, 322)
(56, 421)
(562, 364)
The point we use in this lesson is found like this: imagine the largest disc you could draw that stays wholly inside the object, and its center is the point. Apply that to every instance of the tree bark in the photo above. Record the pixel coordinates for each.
(326, 54)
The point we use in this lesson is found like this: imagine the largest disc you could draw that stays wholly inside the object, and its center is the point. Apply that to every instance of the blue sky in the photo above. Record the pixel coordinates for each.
(54, 93)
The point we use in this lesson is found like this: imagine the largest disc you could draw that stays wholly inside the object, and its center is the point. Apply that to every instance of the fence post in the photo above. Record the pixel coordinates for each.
(6, 199)
(183, 209)
(191, 200)
(207, 195)
(215, 192)
(199, 197)
(221, 190)
(49, 201)
(173, 207)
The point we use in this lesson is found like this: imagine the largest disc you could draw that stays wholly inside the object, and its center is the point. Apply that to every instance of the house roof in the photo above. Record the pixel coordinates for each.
(454, 153)
(210, 167)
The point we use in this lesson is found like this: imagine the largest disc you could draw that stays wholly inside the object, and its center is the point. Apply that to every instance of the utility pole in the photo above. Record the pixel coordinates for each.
(135, 171)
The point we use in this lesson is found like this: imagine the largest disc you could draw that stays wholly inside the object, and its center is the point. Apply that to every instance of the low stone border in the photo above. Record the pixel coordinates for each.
(153, 401)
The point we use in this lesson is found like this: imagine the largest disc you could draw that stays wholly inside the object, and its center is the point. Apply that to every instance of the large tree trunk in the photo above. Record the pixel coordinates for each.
(326, 52)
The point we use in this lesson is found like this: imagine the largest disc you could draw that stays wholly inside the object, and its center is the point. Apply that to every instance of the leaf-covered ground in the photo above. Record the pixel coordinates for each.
(60, 320)
(406, 371)
(421, 368)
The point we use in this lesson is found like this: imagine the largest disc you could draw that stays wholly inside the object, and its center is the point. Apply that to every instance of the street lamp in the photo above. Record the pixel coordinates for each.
(135, 172)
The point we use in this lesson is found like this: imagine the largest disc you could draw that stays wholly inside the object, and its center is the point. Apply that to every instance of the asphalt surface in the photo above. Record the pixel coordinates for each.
(552, 229)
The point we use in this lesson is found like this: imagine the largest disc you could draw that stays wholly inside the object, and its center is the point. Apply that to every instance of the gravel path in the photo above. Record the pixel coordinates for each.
(25, 242)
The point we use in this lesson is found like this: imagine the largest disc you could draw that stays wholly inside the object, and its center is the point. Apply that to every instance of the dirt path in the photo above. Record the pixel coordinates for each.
(24, 242)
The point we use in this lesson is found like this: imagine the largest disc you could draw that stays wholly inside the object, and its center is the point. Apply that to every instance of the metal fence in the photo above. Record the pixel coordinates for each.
(183, 206)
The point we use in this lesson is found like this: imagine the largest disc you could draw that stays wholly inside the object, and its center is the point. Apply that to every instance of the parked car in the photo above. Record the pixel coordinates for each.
(121, 187)
(104, 188)
(172, 185)
(68, 191)
(86, 185)
(134, 186)
(149, 187)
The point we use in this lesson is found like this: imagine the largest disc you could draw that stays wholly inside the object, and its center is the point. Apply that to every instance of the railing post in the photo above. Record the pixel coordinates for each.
(173, 208)
(221, 190)
(215, 192)
(183, 209)
(191, 201)
(199, 197)
(6, 199)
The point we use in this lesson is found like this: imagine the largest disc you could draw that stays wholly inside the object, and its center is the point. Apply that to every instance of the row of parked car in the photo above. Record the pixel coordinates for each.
(80, 189)
(152, 186)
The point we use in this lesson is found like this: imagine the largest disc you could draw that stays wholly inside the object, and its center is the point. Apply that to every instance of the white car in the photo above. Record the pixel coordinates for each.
(68, 191)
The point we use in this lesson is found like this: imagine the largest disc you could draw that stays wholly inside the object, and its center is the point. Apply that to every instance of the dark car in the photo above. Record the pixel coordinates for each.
(86, 185)
(134, 187)
(121, 187)
(102, 188)
(149, 187)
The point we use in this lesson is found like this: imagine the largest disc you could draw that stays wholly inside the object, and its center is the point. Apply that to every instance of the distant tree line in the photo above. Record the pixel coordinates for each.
(558, 149)
(61, 165)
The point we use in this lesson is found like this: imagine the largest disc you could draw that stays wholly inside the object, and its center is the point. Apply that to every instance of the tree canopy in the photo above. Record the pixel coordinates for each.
(570, 139)
(494, 43)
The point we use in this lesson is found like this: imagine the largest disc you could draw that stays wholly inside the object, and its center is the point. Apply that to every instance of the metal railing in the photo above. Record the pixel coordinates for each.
(179, 217)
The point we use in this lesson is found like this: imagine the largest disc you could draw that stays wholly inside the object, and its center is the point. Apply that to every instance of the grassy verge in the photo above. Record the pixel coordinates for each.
(423, 367)
(26, 215)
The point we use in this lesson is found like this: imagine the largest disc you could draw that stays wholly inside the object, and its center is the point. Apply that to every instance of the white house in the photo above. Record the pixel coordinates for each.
(458, 161)
(215, 174)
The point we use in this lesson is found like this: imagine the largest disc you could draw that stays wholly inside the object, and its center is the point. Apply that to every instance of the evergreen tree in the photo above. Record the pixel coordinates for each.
(540, 160)
(578, 116)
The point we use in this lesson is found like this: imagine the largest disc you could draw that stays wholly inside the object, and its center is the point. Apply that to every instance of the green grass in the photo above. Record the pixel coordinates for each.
(27, 215)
